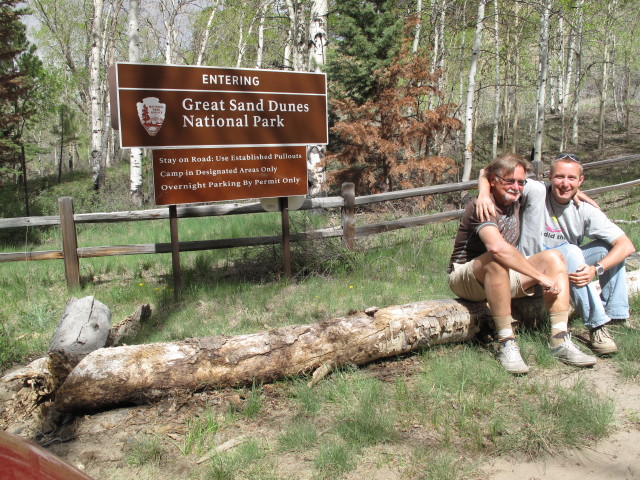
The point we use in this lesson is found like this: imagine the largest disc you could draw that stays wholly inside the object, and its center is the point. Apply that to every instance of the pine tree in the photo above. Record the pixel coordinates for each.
(365, 35)
(13, 82)
(384, 143)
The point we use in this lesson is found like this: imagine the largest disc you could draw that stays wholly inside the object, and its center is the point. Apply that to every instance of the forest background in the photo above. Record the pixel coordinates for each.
(411, 83)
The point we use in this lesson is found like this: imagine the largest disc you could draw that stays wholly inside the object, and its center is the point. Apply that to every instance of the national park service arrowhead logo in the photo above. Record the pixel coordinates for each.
(151, 114)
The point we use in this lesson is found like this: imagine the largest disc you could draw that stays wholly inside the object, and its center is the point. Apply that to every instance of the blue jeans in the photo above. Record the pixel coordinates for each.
(613, 302)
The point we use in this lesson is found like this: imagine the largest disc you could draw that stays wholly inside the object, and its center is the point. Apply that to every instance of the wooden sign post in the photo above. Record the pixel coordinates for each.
(221, 133)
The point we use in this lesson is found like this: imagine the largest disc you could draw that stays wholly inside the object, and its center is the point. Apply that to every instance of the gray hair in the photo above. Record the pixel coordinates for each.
(507, 164)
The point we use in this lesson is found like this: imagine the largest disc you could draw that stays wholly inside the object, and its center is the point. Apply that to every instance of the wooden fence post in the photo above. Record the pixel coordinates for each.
(69, 243)
(348, 193)
(175, 252)
(286, 237)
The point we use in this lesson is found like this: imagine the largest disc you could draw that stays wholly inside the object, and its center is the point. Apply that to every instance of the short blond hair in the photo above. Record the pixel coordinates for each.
(567, 158)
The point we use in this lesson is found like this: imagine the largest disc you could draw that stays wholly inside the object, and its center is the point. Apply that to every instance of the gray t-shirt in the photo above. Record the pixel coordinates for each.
(546, 223)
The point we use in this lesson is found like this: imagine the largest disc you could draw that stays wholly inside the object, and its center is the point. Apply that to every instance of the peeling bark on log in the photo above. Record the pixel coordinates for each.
(130, 326)
(140, 373)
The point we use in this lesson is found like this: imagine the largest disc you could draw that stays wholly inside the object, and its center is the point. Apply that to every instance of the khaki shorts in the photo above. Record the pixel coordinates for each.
(463, 283)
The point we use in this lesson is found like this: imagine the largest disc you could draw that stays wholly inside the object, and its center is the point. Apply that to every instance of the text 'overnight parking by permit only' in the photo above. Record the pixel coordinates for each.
(226, 184)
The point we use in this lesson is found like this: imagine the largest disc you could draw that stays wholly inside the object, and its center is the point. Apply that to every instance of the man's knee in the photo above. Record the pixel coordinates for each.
(553, 260)
(495, 270)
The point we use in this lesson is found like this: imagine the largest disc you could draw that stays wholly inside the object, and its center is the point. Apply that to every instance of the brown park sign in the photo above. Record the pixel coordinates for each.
(185, 106)
(214, 174)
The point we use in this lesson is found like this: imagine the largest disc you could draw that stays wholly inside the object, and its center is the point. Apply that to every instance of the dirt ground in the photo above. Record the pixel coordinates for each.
(99, 443)
(617, 457)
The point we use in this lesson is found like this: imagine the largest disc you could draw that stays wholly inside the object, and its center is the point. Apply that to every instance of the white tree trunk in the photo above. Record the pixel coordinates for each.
(440, 34)
(206, 33)
(317, 60)
(471, 90)
(296, 39)
(542, 87)
(168, 26)
(496, 107)
(563, 66)
(516, 81)
(260, 47)
(96, 96)
(567, 93)
(318, 35)
(418, 28)
(604, 84)
(135, 154)
(243, 39)
(577, 82)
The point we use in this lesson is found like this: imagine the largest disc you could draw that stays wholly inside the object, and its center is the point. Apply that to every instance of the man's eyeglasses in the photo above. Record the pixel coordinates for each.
(511, 181)
(568, 156)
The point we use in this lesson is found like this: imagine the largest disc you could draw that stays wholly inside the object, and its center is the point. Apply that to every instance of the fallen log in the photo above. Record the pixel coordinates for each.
(139, 373)
(110, 377)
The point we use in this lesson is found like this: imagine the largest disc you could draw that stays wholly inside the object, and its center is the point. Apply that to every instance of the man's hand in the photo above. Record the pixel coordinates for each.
(550, 286)
(580, 196)
(485, 207)
(583, 276)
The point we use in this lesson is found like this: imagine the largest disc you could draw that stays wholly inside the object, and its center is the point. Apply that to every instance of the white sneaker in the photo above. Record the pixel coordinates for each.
(570, 354)
(510, 358)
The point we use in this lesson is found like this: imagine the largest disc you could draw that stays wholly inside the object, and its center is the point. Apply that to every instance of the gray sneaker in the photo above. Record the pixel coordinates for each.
(601, 342)
(570, 354)
(510, 358)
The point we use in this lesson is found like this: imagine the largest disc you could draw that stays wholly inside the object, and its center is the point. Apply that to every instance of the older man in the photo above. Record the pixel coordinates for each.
(485, 264)
(553, 221)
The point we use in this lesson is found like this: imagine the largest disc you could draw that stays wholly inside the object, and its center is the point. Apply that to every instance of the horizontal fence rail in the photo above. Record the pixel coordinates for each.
(346, 202)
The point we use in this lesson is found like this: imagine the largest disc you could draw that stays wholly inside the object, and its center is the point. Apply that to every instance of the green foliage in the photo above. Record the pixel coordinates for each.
(555, 417)
(445, 465)
(251, 405)
(305, 397)
(628, 341)
(14, 81)
(365, 36)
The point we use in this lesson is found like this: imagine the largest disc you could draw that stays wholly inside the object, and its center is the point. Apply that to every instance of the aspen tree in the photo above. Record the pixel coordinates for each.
(542, 86)
(470, 106)
(135, 154)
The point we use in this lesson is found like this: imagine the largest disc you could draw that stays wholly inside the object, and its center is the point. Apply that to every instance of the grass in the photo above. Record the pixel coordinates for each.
(200, 432)
(144, 451)
(300, 435)
(334, 459)
(456, 400)
(249, 461)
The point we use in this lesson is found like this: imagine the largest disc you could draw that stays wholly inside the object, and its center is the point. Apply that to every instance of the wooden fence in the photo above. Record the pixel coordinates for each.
(347, 202)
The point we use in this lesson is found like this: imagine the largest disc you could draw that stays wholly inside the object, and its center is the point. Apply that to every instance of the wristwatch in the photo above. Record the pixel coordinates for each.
(599, 269)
